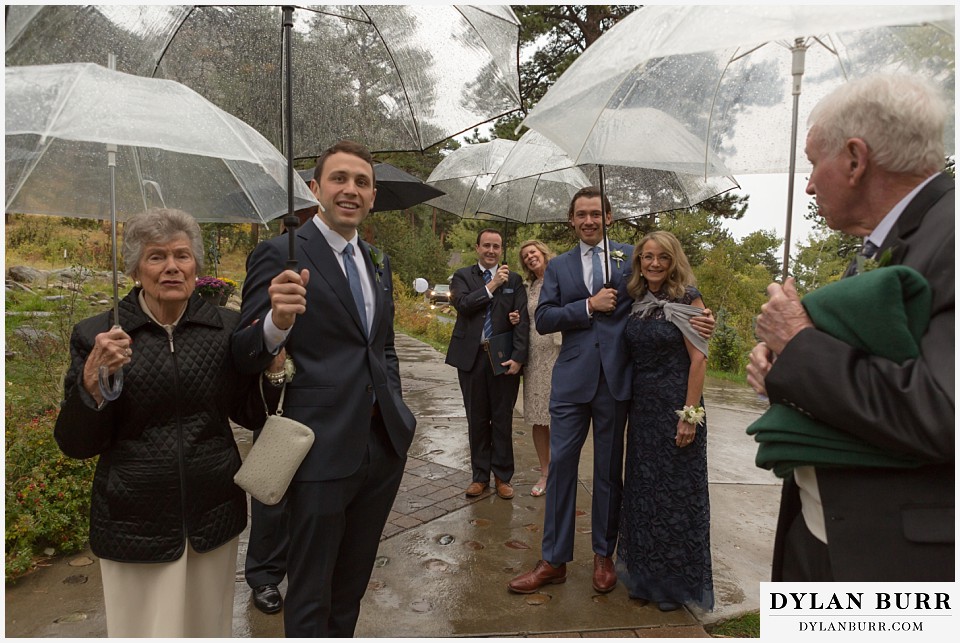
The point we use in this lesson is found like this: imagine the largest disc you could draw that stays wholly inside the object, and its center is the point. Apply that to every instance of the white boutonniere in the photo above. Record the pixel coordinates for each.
(694, 415)
(617, 255)
(376, 255)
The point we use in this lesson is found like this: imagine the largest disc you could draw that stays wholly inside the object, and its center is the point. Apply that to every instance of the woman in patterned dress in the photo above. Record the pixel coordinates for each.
(534, 255)
(663, 553)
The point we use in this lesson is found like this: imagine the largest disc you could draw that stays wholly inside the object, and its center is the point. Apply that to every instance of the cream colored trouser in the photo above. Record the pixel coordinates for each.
(188, 597)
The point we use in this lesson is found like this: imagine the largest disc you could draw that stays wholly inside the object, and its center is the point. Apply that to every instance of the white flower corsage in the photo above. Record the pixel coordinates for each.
(617, 255)
(692, 414)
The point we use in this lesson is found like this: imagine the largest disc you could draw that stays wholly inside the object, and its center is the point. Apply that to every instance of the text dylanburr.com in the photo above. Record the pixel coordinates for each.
(858, 611)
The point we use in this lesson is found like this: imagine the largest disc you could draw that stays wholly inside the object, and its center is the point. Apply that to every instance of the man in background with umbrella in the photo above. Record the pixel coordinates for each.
(876, 146)
(484, 296)
(346, 387)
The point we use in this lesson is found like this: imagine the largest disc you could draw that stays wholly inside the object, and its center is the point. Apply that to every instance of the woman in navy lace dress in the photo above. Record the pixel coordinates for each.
(663, 554)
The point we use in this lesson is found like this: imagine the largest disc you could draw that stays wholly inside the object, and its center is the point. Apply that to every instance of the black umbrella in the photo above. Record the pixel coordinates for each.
(396, 189)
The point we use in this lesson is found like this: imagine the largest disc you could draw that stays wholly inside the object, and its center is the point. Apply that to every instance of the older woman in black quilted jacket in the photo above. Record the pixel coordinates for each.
(165, 515)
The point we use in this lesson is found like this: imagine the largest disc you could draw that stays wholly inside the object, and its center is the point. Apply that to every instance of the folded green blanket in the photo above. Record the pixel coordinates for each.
(883, 312)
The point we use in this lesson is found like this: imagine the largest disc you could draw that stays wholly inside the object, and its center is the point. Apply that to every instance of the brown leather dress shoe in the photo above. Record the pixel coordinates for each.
(604, 577)
(543, 574)
(476, 488)
(504, 490)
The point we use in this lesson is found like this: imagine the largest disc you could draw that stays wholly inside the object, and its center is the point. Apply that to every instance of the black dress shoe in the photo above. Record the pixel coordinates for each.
(267, 599)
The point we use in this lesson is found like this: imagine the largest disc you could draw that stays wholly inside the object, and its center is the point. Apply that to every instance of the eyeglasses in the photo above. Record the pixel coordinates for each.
(650, 257)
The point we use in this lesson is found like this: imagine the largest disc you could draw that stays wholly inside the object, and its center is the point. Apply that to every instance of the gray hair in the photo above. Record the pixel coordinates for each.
(158, 225)
(900, 118)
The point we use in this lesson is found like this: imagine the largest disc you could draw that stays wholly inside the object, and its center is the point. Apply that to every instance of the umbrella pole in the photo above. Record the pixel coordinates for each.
(290, 221)
(799, 54)
(111, 386)
(603, 227)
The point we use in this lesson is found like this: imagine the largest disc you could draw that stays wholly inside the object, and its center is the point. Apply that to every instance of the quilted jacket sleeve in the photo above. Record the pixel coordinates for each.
(81, 430)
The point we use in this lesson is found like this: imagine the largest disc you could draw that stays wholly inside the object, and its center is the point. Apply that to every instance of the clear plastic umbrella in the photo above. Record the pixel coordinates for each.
(732, 77)
(535, 163)
(85, 141)
(394, 77)
(465, 175)
(173, 149)
(532, 181)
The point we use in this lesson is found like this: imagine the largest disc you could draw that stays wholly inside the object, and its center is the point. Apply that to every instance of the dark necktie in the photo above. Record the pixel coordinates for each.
(868, 251)
(353, 278)
(487, 321)
(597, 270)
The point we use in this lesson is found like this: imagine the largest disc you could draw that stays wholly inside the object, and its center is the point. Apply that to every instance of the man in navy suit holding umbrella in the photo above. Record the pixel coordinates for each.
(335, 319)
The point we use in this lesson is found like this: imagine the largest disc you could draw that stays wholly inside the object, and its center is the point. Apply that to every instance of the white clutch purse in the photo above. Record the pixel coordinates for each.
(275, 457)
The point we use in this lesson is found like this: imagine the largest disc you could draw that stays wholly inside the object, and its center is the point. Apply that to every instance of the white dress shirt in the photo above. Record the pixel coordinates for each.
(274, 337)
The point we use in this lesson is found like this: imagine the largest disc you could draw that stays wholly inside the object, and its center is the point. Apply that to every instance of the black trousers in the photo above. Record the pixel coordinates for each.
(489, 400)
(266, 562)
(335, 529)
(806, 559)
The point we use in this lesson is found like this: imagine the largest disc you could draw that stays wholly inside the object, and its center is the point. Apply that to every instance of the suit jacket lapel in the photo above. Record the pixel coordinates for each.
(913, 215)
(477, 276)
(575, 270)
(316, 249)
(616, 268)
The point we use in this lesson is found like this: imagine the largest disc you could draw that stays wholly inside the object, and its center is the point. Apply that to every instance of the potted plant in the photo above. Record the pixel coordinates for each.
(215, 290)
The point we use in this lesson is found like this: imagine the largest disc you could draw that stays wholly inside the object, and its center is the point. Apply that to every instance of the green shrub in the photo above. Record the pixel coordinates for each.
(31, 230)
(47, 503)
(414, 317)
(47, 499)
(726, 347)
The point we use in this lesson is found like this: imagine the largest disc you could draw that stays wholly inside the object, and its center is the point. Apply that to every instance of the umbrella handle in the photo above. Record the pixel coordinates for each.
(110, 390)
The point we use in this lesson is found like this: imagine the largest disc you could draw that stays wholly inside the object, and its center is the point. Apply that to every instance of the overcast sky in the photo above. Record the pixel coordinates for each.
(768, 207)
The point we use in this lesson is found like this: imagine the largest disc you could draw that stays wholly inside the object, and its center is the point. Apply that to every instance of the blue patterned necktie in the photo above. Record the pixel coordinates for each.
(353, 278)
(487, 321)
(597, 270)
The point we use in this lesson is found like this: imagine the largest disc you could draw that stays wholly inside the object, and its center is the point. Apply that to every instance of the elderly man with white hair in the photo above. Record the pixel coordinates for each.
(876, 146)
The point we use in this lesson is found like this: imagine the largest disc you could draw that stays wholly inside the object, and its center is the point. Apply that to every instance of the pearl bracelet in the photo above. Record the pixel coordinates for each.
(280, 378)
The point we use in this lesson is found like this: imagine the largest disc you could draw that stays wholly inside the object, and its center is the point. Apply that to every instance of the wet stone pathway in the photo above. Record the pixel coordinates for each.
(445, 559)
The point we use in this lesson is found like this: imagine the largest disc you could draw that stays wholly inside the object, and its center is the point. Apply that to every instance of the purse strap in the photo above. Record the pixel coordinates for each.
(263, 397)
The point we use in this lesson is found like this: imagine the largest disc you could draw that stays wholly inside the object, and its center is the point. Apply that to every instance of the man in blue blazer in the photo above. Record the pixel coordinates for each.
(876, 146)
(591, 384)
(335, 320)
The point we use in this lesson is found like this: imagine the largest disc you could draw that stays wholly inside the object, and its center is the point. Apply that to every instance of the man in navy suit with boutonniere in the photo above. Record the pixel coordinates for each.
(484, 295)
(335, 320)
